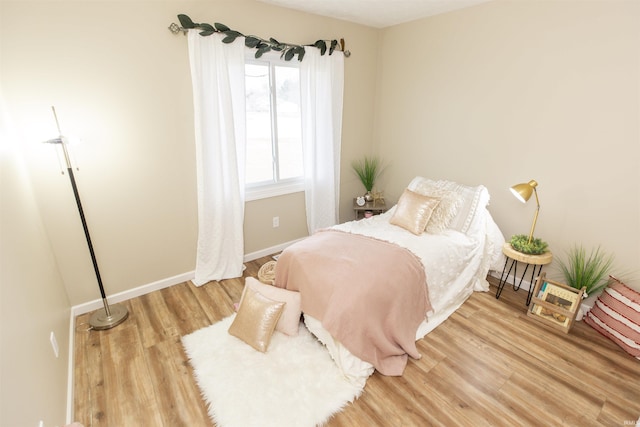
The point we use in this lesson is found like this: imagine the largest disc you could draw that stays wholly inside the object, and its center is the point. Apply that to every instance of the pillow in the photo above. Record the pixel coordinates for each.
(448, 206)
(256, 320)
(413, 211)
(289, 322)
(471, 198)
(463, 206)
(616, 315)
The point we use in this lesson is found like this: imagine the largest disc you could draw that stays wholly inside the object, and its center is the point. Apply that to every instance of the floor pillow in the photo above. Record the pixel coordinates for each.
(616, 315)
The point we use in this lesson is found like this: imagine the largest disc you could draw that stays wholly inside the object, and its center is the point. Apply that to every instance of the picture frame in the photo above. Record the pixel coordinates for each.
(555, 304)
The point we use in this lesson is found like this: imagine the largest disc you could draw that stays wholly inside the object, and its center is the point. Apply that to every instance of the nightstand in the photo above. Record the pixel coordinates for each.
(374, 207)
(537, 261)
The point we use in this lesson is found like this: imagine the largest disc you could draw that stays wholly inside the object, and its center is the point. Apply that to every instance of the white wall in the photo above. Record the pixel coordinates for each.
(505, 92)
(33, 302)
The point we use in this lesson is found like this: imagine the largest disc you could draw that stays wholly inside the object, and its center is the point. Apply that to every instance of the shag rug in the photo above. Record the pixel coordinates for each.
(295, 383)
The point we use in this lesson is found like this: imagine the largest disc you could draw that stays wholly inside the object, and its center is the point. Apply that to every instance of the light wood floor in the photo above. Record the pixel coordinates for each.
(487, 365)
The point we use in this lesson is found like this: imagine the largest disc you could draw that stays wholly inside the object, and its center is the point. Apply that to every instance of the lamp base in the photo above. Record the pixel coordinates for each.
(100, 321)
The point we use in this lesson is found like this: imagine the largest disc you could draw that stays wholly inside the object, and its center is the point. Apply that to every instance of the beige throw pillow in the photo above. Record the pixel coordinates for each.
(289, 322)
(413, 211)
(450, 201)
(256, 320)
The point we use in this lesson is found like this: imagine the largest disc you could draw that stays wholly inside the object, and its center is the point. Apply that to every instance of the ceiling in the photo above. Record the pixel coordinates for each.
(375, 13)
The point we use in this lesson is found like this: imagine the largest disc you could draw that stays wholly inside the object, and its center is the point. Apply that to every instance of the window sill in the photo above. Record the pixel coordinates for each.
(273, 190)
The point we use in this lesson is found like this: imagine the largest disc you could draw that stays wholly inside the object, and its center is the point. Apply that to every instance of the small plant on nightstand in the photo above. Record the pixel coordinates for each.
(367, 170)
(521, 243)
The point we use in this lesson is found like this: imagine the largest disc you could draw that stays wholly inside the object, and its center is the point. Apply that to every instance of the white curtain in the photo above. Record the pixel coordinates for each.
(217, 73)
(321, 91)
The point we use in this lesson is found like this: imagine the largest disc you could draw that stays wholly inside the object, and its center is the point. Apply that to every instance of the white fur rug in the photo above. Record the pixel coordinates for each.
(295, 383)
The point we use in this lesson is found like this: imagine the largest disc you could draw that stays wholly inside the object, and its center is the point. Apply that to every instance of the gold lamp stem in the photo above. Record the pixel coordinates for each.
(535, 216)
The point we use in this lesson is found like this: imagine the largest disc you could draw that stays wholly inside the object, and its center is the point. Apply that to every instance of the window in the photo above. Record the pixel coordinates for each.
(274, 131)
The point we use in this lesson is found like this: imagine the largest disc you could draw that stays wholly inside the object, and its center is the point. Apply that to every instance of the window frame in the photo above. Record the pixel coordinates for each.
(278, 187)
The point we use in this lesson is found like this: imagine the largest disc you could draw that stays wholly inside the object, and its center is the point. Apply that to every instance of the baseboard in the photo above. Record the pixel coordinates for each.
(268, 251)
(71, 363)
(87, 307)
(525, 285)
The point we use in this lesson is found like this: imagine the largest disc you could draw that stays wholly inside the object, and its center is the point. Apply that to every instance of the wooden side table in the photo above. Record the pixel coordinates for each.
(374, 207)
(537, 261)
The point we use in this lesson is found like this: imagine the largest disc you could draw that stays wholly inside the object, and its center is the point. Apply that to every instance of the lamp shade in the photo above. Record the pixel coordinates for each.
(524, 191)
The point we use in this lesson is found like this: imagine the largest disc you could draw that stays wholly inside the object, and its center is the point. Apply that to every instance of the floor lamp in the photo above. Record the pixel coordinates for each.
(109, 316)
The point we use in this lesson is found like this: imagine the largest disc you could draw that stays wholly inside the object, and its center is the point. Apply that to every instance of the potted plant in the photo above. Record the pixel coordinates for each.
(588, 270)
(367, 170)
(521, 243)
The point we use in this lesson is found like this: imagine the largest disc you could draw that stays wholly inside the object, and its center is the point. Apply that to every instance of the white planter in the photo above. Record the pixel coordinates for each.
(586, 305)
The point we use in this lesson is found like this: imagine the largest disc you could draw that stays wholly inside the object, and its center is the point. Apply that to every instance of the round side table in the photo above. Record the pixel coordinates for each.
(537, 261)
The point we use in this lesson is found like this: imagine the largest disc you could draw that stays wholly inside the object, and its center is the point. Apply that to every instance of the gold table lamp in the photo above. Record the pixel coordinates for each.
(523, 193)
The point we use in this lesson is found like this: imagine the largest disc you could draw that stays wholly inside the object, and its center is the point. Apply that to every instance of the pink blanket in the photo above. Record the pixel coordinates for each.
(369, 294)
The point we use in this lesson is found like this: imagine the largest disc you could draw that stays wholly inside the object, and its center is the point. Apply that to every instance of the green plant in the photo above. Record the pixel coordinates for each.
(586, 270)
(367, 170)
(520, 242)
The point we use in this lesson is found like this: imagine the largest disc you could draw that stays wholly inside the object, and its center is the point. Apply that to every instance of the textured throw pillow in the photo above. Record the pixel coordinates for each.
(413, 211)
(471, 199)
(616, 315)
(449, 201)
(256, 320)
(289, 322)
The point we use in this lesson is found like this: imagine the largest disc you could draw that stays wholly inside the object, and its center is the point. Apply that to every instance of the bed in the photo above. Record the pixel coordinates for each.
(361, 293)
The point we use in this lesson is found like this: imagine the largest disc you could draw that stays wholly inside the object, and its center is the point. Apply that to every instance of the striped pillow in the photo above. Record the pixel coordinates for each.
(616, 315)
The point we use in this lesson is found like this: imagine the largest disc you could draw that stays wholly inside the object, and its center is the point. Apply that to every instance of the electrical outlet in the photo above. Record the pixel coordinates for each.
(54, 344)
(276, 221)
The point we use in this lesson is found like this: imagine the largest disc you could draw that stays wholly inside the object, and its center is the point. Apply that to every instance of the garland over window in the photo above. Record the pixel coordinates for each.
(261, 45)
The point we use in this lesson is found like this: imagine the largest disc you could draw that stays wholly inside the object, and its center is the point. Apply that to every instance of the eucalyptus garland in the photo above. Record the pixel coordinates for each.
(261, 45)
(520, 242)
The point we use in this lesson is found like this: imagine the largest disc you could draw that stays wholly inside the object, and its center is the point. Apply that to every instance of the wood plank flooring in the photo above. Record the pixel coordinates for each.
(487, 365)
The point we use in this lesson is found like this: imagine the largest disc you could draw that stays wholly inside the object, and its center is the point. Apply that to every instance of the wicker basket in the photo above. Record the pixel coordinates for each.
(267, 273)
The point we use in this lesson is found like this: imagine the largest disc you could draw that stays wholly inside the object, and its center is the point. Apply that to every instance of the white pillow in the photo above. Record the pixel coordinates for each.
(473, 199)
(467, 202)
